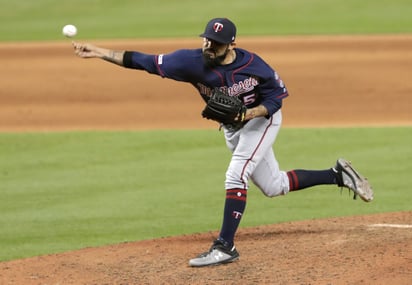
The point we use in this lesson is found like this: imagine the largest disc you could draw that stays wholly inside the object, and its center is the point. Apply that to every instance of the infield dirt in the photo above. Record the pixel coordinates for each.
(333, 81)
(350, 81)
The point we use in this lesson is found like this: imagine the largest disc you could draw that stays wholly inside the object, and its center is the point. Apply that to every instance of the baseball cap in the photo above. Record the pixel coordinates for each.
(221, 30)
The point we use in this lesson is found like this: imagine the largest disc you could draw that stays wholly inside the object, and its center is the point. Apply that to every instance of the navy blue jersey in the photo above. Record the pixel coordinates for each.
(248, 77)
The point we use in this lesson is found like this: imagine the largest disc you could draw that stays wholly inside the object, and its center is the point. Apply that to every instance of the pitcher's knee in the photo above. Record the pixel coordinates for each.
(275, 191)
(274, 187)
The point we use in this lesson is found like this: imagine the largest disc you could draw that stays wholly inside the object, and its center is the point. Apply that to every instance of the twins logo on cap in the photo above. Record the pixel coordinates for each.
(217, 27)
(221, 30)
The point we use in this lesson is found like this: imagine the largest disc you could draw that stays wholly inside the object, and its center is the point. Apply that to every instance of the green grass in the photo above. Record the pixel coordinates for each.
(43, 19)
(63, 191)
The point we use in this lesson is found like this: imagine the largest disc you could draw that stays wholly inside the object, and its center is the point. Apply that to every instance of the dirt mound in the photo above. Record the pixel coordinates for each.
(373, 249)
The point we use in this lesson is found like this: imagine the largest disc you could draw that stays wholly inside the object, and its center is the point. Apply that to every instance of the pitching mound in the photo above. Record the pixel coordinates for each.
(374, 249)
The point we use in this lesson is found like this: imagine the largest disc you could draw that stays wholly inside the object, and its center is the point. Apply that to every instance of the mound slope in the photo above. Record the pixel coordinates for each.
(372, 249)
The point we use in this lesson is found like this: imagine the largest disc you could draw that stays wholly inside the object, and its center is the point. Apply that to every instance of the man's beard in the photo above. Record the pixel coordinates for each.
(213, 61)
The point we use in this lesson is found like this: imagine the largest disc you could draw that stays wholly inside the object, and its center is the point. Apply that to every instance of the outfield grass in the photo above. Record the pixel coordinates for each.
(96, 19)
(63, 191)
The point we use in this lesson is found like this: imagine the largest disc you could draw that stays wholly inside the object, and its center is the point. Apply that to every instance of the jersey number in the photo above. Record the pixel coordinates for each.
(249, 99)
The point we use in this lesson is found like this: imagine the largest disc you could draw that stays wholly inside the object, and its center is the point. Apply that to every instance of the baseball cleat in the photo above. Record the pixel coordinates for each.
(348, 177)
(218, 254)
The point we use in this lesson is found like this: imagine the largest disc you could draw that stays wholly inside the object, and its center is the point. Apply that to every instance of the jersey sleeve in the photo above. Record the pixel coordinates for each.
(172, 65)
(272, 90)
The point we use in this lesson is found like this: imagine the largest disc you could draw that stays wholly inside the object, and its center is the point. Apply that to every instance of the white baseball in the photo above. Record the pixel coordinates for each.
(69, 31)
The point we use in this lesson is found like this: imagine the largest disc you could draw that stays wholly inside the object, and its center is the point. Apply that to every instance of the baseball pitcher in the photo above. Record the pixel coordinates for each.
(245, 96)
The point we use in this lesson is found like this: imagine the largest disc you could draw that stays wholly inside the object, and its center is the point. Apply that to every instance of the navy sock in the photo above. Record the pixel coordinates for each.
(235, 205)
(300, 179)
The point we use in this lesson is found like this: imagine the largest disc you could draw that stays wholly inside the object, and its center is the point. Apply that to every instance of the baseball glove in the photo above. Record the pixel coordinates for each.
(225, 109)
